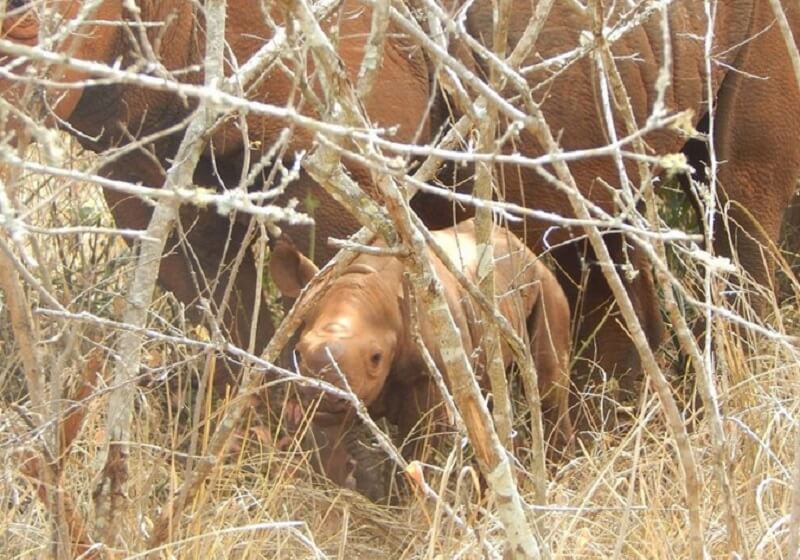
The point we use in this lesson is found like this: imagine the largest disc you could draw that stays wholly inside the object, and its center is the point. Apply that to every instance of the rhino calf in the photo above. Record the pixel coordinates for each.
(360, 329)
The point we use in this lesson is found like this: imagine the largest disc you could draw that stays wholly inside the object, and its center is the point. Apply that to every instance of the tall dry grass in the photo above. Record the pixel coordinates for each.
(619, 497)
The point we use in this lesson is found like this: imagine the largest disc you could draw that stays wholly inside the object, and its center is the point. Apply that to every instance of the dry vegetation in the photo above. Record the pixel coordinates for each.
(624, 495)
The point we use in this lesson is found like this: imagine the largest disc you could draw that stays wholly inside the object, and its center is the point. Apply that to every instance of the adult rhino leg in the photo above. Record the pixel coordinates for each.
(791, 238)
(757, 119)
(200, 263)
(331, 219)
(604, 351)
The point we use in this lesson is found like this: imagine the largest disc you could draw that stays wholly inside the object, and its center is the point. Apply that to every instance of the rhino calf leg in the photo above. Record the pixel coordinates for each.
(549, 325)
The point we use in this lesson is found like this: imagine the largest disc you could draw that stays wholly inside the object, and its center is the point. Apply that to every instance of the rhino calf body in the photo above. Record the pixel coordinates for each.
(361, 330)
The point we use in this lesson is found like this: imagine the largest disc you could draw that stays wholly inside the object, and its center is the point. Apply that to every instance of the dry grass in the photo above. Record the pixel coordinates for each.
(621, 496)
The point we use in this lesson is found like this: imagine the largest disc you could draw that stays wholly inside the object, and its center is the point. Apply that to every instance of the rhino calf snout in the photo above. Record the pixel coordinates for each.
(309, 396)
(328, 411)
(321, 359)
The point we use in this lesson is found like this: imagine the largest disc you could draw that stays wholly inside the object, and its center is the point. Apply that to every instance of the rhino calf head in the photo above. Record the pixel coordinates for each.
(351, 337)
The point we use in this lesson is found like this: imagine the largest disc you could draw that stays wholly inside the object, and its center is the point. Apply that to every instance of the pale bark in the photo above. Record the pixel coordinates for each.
(483, 115)
(537, 125)
(44, 392)
(25, 334)
(24, 329)
(111, 492)
(45, 467)
(492, 458)
(484, 226)
(373, 49)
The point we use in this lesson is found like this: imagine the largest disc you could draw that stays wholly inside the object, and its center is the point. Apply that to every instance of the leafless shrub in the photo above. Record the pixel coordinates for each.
(114, 439)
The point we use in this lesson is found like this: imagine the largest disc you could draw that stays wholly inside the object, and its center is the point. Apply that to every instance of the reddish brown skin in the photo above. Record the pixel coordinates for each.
(755, 128)
(107, 113)
(362, 321)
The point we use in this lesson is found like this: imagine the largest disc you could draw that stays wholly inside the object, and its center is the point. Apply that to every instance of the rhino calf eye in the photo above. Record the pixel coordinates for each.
(375, 358)
(16, 4)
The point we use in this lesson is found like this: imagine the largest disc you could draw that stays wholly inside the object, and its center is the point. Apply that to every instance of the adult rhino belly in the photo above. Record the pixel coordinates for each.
(571, 101)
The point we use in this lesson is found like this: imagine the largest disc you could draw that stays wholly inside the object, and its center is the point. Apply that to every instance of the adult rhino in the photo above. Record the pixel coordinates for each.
(109, 118)
(756, 95)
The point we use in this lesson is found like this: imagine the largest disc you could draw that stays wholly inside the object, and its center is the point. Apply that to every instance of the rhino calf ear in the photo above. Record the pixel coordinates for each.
(291, 270)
